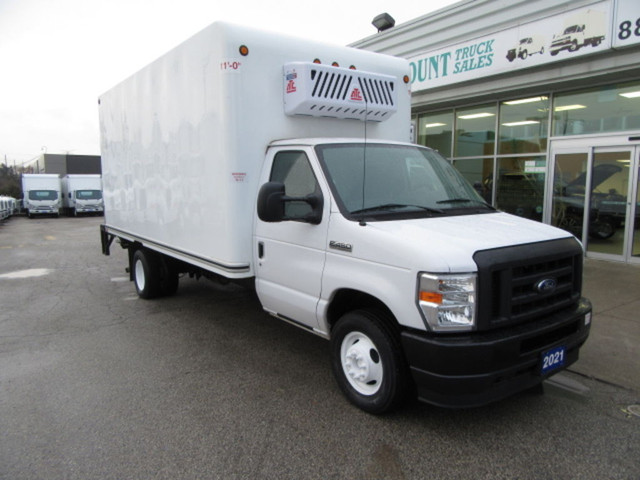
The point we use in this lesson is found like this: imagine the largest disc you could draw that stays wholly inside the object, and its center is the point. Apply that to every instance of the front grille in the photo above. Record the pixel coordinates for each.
(508, 279)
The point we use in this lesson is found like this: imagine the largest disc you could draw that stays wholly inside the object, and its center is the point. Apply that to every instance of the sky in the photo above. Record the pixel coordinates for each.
(58, 56)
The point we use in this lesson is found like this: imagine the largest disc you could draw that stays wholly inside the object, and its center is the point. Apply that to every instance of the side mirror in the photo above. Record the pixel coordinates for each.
(272, 201)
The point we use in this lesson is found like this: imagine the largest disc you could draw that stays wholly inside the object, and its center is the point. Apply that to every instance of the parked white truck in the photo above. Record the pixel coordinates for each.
(7, 206)
(41, 193)
(246, 155)
(580, 30)
(82, 194)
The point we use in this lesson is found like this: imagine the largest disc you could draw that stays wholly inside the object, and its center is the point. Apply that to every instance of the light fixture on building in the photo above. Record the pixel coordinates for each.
(518, 124)
(433, 125)
(383, 22)
(564, 108)
(476, 115)
(526, 100)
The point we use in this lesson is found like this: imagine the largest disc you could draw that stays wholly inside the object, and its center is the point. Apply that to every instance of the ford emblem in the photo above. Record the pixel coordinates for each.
(548, 285)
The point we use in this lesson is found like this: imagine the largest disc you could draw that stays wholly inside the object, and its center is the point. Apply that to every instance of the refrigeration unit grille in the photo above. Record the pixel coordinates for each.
(323, 91)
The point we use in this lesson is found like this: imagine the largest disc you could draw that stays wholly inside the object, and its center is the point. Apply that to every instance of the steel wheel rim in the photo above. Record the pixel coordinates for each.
(361, 363)
(140, 278)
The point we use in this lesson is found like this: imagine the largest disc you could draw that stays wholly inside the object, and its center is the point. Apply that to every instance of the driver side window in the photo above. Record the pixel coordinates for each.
(294, 171)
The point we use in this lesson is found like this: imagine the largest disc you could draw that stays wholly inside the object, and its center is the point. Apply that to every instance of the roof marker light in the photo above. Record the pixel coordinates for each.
(244, 50)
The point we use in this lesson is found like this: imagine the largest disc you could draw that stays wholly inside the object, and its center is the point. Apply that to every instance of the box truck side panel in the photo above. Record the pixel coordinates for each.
(183, 140)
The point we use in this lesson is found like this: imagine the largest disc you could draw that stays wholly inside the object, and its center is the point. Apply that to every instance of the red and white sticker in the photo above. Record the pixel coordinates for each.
(239, 177)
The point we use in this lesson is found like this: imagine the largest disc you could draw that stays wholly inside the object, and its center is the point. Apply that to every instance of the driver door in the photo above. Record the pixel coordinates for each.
(290, 255)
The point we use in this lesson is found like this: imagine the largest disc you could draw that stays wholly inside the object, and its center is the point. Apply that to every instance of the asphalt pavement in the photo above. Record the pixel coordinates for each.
(96, 383)
(612, 352)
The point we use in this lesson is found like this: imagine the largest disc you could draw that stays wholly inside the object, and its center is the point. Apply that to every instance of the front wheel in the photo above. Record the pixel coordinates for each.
(368, 361)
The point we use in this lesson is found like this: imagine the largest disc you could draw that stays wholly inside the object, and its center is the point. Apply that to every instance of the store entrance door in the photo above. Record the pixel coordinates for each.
(595, 196)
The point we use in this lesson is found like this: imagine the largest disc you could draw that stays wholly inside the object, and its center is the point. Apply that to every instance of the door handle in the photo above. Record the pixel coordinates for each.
(260, 250)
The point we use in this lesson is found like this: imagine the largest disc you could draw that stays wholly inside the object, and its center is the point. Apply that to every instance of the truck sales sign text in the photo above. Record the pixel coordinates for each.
(463, 59)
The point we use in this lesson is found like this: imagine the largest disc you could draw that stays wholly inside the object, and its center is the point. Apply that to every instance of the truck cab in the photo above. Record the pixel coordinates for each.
(389, 234)
(42, 194)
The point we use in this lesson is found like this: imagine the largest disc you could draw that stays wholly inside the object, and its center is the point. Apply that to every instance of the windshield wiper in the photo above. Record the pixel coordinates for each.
(466, 200)
(394, 206)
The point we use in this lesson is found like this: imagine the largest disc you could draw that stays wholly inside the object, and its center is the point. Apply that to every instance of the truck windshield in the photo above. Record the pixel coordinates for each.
(43, 195)
(88, 194)
(380, 181)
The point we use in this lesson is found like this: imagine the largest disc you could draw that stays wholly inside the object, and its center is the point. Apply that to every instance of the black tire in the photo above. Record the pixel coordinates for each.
(368, 362)
(146, 273)
(602, 229)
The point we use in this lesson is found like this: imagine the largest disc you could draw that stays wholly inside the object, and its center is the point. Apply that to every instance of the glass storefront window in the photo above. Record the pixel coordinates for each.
(520, 186)
(569, 186)
(609, 184)
(435, 130)
(612, 108)
(524, 125)
(479, 173)
(475, 131)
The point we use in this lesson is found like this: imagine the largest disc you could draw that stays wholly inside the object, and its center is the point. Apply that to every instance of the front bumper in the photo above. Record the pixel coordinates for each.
(478, 368)
(44, 211)
(89, 209)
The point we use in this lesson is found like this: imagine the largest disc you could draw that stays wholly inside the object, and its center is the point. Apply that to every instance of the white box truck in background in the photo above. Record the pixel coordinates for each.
(82, 194)
(41, 193)
(7, 206)
(257, 157)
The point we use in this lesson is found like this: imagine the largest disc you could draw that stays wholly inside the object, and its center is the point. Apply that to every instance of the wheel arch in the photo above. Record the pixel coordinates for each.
(347, 300)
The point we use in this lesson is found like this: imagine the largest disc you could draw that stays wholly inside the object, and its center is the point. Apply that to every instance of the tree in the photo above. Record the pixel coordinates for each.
(9, 182)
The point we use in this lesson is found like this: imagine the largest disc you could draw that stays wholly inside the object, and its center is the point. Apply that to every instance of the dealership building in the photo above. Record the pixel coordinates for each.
(537, 104)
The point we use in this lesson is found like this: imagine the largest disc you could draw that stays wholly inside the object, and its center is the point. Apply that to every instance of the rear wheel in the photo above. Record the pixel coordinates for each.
(146, 273)
(368, 361)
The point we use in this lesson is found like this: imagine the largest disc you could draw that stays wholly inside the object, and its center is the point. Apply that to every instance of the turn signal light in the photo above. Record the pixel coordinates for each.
(431, 297)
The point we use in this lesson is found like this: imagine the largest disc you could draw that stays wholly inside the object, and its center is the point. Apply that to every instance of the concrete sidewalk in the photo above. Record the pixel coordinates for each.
(612, 352)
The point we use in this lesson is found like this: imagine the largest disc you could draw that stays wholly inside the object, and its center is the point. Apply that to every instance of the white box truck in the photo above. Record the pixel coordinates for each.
(41, 194)
(5, 207)
(82, 194)
(253, 156)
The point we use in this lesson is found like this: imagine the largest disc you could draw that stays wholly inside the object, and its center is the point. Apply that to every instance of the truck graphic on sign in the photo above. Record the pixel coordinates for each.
(580, 30)
(527, 46)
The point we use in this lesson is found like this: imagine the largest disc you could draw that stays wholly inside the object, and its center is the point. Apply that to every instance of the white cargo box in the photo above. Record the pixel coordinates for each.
(183, 140)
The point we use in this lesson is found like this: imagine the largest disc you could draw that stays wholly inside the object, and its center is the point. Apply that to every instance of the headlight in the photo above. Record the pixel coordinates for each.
(448, 302)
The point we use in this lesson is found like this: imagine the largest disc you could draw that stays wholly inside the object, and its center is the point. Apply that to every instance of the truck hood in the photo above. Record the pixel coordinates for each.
(448, 244)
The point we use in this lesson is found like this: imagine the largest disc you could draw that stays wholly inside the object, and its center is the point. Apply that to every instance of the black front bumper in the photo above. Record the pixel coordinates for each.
(482, 367)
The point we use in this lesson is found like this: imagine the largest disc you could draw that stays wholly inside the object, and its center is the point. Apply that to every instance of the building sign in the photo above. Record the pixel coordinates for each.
(554, 39)
(627, 23)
